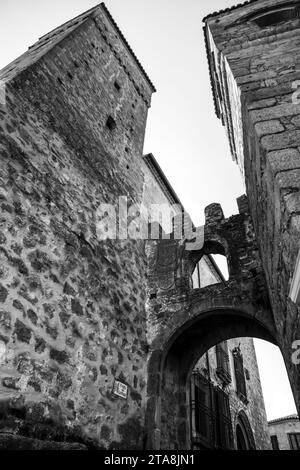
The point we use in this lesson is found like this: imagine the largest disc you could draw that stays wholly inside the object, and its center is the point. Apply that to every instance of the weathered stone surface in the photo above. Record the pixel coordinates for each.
(185, 322)
(22, 332)
(11, 442)
(269, 163)
(84, 312)
(268, 127)
(66, 296)
(280, 141)
(282, 160)
(275, 112)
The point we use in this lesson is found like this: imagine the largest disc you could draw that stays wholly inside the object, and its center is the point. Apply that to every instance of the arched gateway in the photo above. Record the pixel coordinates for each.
(184, 322)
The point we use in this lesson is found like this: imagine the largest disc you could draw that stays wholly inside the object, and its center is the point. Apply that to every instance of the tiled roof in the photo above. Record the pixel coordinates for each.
(285, 418)
(227, 10)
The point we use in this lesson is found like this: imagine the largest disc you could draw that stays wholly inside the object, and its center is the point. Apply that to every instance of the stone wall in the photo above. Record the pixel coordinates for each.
(72, 307)
(78, 312)
(254, 70)
(183, 323)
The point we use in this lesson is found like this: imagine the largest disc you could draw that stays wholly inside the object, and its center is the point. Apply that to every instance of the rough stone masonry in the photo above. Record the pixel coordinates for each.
(77, 313)
(72, 309)
(253, 53)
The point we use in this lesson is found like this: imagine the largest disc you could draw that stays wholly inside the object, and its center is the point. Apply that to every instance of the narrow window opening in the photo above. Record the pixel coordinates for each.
(117, 86)
(111, 123)
(241, 387)
(274, 442)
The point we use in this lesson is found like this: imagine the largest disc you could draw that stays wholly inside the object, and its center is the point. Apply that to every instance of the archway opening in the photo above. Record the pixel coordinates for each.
(182, 413)
(242, 441)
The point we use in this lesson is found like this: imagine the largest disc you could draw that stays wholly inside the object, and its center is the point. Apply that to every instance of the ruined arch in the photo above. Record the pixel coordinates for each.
(171, 365)
(184, 323)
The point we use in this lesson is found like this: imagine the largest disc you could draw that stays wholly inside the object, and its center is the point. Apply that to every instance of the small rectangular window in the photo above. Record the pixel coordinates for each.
(274, 442)
(111, 123)
(117, 86)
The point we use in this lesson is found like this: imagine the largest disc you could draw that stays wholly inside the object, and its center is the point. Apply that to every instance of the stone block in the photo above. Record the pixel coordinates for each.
(282, 160)
(268, 127)
(275, 112)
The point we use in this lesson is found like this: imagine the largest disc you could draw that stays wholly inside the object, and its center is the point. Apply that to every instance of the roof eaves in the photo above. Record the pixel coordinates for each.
(104, 7)
(284, 418)
(150, 159)
(88, 14)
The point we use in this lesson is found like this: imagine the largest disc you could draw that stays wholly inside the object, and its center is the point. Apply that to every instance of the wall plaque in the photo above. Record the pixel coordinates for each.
(120, 389)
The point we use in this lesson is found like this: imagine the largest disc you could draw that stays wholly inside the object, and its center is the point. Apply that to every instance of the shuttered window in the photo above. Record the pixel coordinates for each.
(239, 374)
(210, 415)
(294, 439)
(223, 427)
(274, 442)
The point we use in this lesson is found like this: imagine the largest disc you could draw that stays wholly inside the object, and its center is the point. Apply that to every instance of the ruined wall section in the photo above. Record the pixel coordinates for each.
(265, 66)
(72, 316)
(183, 322)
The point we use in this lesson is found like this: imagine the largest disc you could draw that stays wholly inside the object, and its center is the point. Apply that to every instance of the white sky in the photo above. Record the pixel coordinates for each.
(183, 132)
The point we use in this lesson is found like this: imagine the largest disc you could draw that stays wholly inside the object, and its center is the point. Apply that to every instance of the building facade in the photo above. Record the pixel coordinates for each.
(253, 59)
(285, 433)
(99, 335)
(228, 409)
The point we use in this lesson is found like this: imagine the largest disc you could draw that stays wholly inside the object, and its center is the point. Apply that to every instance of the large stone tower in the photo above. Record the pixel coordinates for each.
(72, 308)
(254, 62)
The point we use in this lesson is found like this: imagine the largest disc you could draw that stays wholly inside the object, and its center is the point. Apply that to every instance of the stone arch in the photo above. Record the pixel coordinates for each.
(284, 11)
(171, 364)
(242, 425)
(184, 323)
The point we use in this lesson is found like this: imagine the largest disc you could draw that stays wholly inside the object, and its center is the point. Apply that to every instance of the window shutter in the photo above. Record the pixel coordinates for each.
(274, 442)
(294, 439)
(239, 374)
